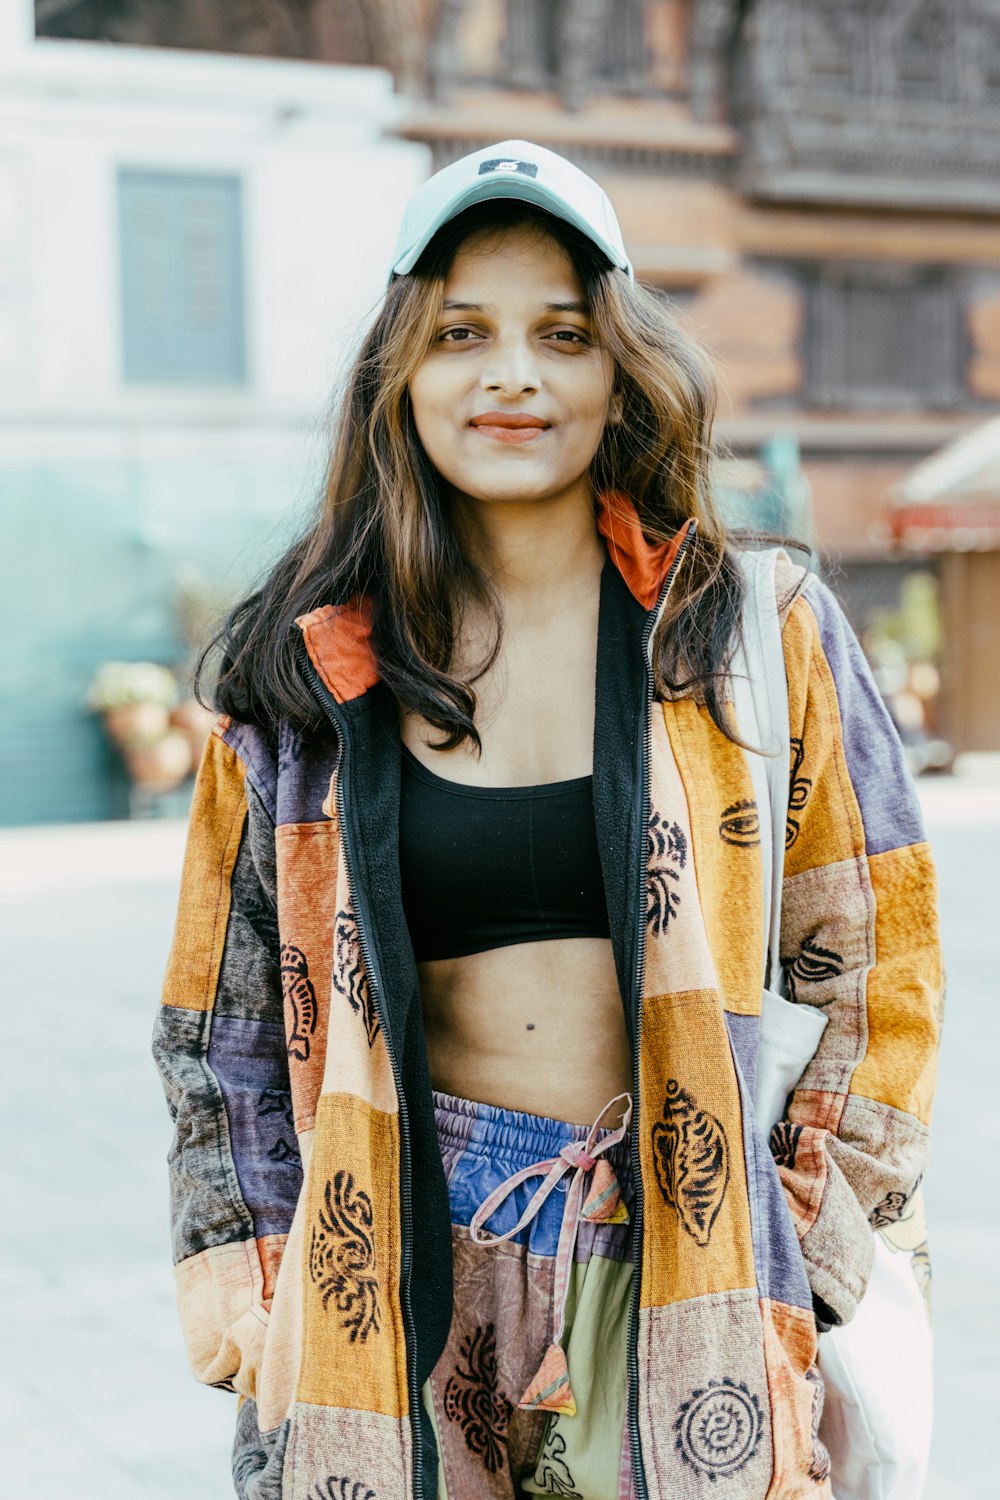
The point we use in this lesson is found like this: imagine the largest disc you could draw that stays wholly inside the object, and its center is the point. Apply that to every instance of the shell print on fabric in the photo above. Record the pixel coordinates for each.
(719, 1428)
(666, 856)
(298, 992)
(812, 964)
(349, 977)
(471, 1398)
(740, 825)
(691, 1156)
(342, 1256)
(799, 788)
(335, 1488)
(784, 1143)
(892, 1207)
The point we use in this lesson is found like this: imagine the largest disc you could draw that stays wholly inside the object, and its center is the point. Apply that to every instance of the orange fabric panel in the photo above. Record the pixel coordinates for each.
(801, 1464)
(644, 565)
(726, 844)
(218, 813)
(338, 639)
(270, 1248)
(824, 819)
(697, 1215)
(900, 1064)
(354, 1350)
(307, 856)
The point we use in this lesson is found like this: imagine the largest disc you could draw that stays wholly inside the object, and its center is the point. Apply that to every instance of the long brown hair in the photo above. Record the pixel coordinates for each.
(382, 528)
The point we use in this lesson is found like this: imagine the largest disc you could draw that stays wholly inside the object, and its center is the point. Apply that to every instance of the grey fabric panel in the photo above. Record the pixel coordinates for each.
(258, 1457)
(206, 1205)
(878, 1153)
(249, 978)
(261, 827)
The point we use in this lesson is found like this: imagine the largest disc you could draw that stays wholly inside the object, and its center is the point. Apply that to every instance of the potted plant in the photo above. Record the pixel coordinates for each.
(135, 700)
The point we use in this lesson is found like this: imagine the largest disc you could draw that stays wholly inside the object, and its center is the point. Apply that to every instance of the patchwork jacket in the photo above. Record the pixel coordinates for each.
(309, 1205)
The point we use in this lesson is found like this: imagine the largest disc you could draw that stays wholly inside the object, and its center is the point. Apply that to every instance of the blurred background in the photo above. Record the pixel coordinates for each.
(198, 201)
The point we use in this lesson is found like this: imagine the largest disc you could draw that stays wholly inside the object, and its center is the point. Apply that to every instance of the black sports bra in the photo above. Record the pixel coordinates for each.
(486, 867)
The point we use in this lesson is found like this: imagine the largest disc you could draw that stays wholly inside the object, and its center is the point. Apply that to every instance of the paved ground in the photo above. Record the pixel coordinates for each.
(94, 1388)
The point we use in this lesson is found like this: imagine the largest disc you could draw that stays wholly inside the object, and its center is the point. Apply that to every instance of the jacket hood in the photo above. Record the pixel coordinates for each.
(338, 636)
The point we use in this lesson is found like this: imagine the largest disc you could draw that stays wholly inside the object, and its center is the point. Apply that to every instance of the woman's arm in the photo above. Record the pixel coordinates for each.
(859, 938)
(219, 1044)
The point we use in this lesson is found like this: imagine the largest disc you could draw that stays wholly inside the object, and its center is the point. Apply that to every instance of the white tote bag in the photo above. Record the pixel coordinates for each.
(876, 1369)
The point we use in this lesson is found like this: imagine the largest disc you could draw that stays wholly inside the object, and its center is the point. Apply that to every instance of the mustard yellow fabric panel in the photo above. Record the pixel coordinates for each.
(725, 834)
(677, 952)
(899, 1065)
(824, 820)
(218, 812)
(697, 1216)
(307, 861)
(354, 1352)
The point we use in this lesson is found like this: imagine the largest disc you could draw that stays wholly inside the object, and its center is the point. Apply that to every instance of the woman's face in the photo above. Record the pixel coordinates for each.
(511, 399)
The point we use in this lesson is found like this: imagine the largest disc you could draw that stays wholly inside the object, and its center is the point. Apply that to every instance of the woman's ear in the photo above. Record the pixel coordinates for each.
(616, 408)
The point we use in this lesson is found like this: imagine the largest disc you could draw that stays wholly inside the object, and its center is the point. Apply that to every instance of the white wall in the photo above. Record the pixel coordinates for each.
(323, 189)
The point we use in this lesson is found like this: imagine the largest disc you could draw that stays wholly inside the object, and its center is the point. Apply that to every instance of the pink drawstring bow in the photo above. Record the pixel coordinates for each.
(550, 1389)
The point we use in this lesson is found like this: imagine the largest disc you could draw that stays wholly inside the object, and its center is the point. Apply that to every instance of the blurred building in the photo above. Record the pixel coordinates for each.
(814, 186)
(948, 507)
(189, 246)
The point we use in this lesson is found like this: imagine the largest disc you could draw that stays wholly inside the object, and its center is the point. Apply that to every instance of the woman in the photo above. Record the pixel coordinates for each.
(461, 1015)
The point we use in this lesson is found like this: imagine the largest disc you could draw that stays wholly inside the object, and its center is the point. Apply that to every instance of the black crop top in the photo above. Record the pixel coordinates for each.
(486, 867)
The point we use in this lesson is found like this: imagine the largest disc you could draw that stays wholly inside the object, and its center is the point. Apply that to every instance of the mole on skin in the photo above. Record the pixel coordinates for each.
(530, 1026)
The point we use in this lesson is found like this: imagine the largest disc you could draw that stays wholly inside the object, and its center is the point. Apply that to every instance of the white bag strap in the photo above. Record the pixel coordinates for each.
(760, 702)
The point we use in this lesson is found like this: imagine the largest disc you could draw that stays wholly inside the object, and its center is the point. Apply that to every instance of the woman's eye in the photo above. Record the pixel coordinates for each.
(457, 336)
(570, 336)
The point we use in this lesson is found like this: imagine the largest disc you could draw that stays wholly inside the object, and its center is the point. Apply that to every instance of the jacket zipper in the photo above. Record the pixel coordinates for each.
(639, 1473)
(326, 702)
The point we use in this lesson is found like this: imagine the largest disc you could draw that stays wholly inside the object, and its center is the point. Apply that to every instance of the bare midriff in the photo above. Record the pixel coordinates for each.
(535, 1026)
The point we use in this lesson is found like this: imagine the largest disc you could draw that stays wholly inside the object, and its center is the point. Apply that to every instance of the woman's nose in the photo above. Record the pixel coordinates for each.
(512, 370)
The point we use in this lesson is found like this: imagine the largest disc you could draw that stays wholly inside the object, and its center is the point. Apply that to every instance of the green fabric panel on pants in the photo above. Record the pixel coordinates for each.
(427, 1401)
(581, 1455)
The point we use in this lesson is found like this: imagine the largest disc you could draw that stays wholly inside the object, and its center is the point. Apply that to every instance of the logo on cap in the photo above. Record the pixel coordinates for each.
(506, 164)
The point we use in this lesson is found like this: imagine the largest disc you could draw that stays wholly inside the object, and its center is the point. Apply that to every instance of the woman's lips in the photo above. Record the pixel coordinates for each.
(509, 427)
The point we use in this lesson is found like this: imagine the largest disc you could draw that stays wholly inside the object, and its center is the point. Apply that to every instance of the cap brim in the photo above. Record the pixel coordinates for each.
(518, 189)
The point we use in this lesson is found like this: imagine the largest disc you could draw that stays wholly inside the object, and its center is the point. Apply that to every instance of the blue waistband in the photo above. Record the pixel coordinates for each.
(513, 1137)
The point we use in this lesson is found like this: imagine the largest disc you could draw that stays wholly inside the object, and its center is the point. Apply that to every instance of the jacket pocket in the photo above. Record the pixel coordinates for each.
(789, 1036)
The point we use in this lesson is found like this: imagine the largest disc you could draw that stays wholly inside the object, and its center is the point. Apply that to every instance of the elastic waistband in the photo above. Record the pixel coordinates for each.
(514, 1136)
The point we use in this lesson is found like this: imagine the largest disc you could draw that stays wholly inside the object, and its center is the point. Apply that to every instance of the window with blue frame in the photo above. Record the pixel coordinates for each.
(182, 293)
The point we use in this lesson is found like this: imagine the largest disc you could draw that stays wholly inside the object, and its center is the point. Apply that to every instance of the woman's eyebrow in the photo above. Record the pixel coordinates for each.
(570, 307)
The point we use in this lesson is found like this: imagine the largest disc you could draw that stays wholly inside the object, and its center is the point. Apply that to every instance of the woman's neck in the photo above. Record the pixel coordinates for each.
(540, 555)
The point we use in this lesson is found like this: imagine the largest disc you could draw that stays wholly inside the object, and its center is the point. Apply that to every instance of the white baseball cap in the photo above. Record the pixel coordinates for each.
(517, 170)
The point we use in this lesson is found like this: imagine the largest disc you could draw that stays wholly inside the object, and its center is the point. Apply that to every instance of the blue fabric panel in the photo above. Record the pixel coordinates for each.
(303, 779)
(889, 809)
(252, 748)
(780, 1269)
(248, 1060)
(744, 1038)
